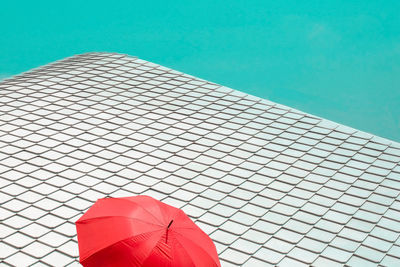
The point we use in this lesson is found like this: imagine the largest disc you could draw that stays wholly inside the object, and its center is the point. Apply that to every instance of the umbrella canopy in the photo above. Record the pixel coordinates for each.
(141, 231)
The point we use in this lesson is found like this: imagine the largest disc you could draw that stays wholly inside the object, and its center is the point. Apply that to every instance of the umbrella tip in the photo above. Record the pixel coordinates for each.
(166, 237)
(170, 224)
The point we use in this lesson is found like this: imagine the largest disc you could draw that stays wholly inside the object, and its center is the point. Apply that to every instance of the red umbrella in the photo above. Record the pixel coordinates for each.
(141, 231)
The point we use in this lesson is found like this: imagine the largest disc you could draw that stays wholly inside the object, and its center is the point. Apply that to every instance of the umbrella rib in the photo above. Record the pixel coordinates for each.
(113, 216)
(187, 254)
(194, 243)
(180, 227)
(141, 208)
(98, 251)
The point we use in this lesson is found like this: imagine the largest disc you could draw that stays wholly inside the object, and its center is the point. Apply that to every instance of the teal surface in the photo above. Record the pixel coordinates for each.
(335, 59)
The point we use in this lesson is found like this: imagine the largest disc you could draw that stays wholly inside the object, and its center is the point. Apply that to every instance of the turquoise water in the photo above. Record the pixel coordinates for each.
(336, 59)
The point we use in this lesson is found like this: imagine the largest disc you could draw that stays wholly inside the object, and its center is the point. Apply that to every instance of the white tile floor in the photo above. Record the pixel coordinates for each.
(271, 185)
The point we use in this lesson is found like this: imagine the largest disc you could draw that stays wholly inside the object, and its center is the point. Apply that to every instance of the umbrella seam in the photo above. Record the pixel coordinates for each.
(183, 249)
(196, 246)
(126, 200)
(119, 216)
(97, 251)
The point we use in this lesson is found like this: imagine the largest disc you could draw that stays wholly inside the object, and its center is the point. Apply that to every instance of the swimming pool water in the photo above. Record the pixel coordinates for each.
(338, 59)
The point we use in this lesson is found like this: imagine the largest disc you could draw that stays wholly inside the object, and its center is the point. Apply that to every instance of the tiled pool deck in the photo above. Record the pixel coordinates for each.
(269, 184)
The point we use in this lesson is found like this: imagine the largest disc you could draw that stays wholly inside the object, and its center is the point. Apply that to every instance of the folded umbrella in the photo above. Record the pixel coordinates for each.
(141, 231)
